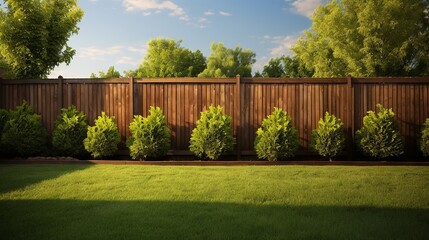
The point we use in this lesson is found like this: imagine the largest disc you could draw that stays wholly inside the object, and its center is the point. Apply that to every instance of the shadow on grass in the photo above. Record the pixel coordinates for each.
(32, 174)
(75, 219)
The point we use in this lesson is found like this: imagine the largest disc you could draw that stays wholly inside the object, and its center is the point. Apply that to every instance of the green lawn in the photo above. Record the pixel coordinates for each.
(252, 202)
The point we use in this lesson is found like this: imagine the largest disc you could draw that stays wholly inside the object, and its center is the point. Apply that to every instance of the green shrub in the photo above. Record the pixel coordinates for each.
(4, 117)
(424, 141)
(69, 132)
(212, 135)
(23, 134)
(328, 139)
(103, 138)
(150, 137)
(380, 137)
(277, 138)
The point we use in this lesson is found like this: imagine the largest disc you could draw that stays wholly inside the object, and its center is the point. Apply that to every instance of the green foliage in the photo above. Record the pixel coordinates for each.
(277, 138)
(23, 134)
(212, 135)
(34, 35)
(5, 70)
(103, 138)
(150, 137)
(274, 68)
(166, 58)
(4, 117)
(286, 67)
(258, 74)
(328, 139)
(111, 73)
(224, 62)
(69, 132)
(424, 142)
(374, 38)
(379, 136)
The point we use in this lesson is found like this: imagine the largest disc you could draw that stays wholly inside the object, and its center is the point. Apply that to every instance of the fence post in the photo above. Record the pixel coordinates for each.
(60, 93)
(351, 112)
(238, 114)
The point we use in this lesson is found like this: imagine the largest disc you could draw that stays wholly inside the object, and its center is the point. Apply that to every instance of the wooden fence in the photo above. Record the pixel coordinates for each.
(247, 100)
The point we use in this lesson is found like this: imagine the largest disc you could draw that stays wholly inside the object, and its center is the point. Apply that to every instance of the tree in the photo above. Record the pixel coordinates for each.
(5, 70)
(274, 68)
(225, 62)
(34, 35)
(258, 74)
(294, 68)
(111, 73)
(166, 58)
(367, 38)
(286, 67)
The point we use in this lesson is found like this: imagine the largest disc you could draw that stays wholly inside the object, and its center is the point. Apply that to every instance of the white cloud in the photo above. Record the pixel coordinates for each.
(155, 5)
(203, 20)
(305, 7)
(140, 50)
(260, 63)
(226, 14)
(208, 13)
(94, 53)
(127, 60)
(283, 45)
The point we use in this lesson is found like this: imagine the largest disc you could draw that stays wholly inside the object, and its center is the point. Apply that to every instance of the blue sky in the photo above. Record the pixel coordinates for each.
(115, 32)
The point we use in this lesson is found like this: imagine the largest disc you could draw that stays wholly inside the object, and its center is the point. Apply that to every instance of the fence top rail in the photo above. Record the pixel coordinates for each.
(186, 80)
(386, 80)
(295, 80)
(373, 80)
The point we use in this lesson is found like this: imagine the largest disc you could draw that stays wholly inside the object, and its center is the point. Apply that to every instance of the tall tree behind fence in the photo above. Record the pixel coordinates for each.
(247, 100)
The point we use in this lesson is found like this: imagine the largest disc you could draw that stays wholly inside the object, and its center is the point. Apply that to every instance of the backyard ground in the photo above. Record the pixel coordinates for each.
(212, 202)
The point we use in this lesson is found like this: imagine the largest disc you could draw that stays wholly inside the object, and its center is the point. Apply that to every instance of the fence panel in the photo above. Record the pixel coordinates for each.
(247, 100)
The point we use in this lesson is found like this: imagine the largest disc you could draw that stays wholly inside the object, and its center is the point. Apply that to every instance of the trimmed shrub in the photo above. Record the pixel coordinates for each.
(4, 117)
(328, 139)
(69, 132)
(212, 135)
(102, 139)
(23, 134)
(380, 137)
(277, 138)
(150, 136)
(424, 141)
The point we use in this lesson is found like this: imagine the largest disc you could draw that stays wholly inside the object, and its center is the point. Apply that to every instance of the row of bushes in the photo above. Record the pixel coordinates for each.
(22, 134)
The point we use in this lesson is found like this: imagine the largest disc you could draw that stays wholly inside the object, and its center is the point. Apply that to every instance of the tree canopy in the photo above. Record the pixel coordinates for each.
(110, 73)
(286, 67)
(226, 62)
(367, 38)
(166, 58)
(34, 35)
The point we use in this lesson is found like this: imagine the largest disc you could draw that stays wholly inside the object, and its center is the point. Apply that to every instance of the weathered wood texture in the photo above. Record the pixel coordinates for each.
(247, 100)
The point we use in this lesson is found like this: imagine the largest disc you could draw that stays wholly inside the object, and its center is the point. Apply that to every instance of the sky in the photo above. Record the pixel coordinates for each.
(116, 32)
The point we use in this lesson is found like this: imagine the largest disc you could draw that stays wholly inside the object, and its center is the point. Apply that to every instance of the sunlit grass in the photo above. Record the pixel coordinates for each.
(252, 202)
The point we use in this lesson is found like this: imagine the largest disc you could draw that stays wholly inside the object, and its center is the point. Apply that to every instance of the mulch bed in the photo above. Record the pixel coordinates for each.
(69, 160)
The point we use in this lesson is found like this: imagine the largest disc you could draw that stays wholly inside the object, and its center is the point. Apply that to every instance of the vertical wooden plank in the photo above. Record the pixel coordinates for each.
(351, 114)
(237, 106)
(131, 98)
(252, 125)
(60, 93)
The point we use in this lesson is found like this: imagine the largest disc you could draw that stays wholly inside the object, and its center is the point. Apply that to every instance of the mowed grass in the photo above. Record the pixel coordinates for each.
(252, 202)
